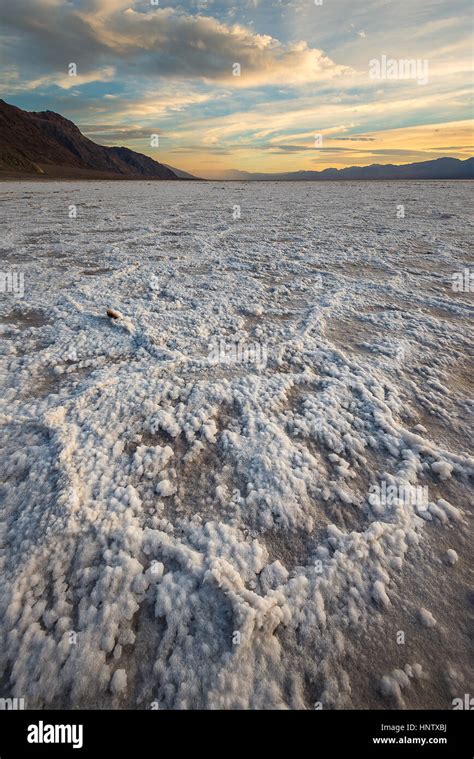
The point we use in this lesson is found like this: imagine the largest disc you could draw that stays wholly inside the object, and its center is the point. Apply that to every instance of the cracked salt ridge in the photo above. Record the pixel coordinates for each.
(156, 508)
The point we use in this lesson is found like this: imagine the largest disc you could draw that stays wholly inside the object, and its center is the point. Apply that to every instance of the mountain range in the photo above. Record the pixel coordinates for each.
(440, 168)
(46, 144)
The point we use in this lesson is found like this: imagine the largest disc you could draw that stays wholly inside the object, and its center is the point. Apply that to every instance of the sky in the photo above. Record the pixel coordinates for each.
(218, 86)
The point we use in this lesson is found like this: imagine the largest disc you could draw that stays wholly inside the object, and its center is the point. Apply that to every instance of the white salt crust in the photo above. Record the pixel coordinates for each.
(154, 504)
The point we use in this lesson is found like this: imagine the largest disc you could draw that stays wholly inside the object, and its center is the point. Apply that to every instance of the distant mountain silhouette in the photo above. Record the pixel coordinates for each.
(47, 144)
(440, 168)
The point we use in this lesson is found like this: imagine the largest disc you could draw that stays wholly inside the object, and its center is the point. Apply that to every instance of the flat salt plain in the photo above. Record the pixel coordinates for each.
(184, 531)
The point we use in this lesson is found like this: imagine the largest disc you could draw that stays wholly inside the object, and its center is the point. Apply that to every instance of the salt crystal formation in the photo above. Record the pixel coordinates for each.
(196, 534)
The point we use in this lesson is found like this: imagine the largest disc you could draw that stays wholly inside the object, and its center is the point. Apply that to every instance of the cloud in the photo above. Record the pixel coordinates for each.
(165, 100)
(47, 35)
(67, 82)
(163, 42)
(356, 138)
(114, 134)
(202, 47)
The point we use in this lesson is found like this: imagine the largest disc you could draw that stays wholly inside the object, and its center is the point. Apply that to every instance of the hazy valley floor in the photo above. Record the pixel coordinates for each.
(210, 502)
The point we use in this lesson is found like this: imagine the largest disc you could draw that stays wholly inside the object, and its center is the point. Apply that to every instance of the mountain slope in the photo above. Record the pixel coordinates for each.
(46, 143)
(181, 174)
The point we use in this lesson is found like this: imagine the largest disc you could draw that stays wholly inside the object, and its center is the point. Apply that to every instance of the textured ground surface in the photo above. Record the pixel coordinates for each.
(190, 515)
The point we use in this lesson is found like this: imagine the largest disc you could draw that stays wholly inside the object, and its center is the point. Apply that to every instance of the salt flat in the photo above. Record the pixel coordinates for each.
(207, 501)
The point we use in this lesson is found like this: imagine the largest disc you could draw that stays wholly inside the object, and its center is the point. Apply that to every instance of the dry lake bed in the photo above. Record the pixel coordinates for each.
(250, 485)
